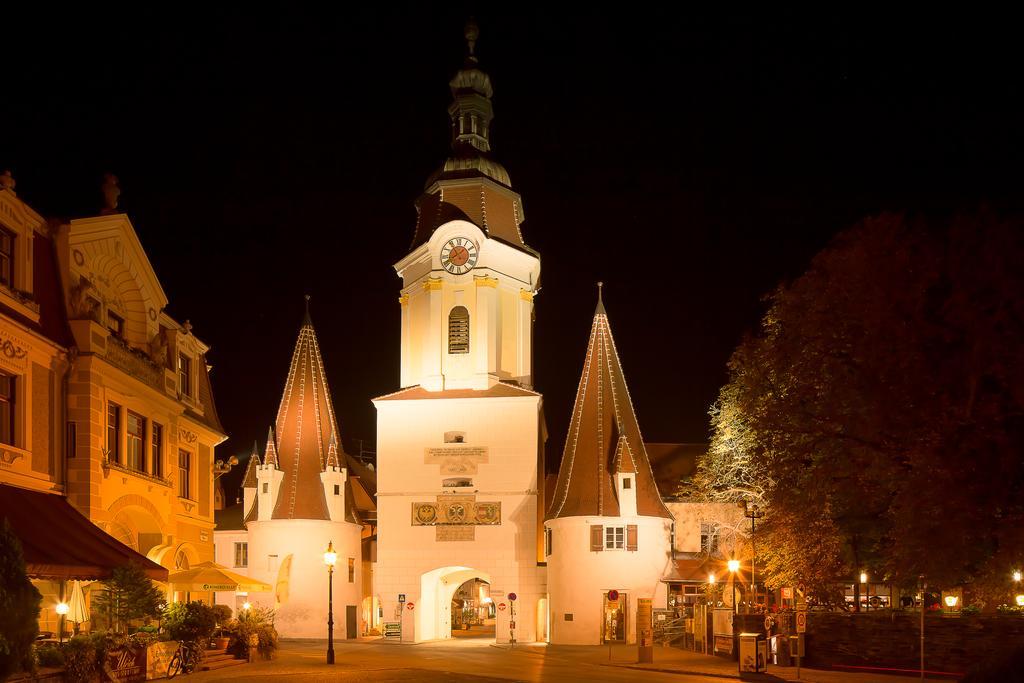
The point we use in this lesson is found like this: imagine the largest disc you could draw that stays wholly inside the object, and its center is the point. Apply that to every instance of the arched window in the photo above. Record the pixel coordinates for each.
(458, 330)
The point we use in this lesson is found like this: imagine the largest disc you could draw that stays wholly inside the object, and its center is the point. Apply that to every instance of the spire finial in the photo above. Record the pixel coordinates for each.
(472, 33)
(306, 320)
(600, 301)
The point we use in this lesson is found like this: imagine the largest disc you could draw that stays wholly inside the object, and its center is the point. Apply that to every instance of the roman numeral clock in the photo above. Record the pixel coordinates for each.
(459, 255)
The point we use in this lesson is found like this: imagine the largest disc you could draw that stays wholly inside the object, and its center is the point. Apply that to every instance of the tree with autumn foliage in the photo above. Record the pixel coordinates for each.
(878, 412)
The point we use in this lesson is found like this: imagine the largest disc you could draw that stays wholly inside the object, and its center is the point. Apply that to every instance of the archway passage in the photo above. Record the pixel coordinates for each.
(434, 613)
(473, 610)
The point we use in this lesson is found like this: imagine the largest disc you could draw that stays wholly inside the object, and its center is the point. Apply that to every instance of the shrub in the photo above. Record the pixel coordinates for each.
(1010, 609)
(81, 661)
(256, 621)
(19, 606)
(50, 656)
(222, 613)
(191, 622)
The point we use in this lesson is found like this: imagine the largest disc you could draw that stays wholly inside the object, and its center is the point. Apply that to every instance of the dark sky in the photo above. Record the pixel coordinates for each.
(691, 161)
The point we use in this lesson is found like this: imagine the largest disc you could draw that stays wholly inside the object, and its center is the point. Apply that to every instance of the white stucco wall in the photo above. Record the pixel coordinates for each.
(303, 612)
(579, 578)
(505, 554)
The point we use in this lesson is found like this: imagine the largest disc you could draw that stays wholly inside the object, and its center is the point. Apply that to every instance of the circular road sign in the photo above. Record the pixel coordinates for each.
(512, 597)
(613, 595)
(501, 606)
(410, 605)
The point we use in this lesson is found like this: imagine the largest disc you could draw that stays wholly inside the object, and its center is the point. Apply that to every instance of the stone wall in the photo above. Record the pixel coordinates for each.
(884, 639)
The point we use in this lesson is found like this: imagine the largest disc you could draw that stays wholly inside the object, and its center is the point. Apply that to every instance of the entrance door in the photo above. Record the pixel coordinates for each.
(350, 622)
(614, 623)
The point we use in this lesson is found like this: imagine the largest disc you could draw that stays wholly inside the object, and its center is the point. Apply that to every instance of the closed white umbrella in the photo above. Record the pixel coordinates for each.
(77, 613)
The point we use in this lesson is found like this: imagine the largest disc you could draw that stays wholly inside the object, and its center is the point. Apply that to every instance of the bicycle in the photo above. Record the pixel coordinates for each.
(183, 660)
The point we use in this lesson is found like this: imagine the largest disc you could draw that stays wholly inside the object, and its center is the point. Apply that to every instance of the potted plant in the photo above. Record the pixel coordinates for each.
(221, 637)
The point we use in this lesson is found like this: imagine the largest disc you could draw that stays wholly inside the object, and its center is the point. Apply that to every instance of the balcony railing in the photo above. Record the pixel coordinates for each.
(134, 362)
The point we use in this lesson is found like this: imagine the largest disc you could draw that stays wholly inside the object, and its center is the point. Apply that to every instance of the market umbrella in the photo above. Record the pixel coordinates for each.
(77, 613)
(210, 576)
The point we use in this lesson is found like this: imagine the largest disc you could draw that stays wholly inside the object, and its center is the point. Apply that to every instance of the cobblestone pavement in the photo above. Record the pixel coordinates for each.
(480, 661)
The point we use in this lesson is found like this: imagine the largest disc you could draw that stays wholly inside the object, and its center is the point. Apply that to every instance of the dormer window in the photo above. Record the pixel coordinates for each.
(184, 375)
(627, 483)
(6, 257)
(115, 324)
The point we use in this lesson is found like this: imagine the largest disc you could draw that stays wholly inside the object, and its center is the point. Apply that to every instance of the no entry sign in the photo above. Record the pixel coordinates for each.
(410, 605)
(501, 606)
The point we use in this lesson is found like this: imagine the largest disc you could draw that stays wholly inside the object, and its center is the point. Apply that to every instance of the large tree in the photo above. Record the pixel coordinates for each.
(879, 410)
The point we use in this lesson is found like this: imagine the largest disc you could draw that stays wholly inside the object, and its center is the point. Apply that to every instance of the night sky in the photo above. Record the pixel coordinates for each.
(691, 161)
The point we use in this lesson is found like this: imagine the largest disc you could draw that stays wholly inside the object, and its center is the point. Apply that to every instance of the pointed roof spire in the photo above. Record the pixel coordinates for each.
(250, 481)
(270, 454)
(332, 452)
(304, 425)
(472, 32)
(604, 438)
(306, 320)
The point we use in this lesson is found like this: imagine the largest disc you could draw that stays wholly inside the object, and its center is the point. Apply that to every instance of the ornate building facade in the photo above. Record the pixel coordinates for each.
(142, 423)
(460, 446)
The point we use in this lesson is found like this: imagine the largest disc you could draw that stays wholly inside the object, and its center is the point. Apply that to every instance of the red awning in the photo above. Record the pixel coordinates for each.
(60, 543)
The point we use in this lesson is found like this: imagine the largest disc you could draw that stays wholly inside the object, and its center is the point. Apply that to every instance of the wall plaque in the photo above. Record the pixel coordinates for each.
(456, 459)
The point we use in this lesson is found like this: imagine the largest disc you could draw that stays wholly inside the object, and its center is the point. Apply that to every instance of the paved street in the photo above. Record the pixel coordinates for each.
(478, 660)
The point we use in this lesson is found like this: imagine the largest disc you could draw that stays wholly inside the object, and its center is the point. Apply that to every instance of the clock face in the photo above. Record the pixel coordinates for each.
(458, 255)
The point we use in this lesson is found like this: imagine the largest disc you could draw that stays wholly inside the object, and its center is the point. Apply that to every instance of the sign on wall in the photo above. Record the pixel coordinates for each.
(456, 511)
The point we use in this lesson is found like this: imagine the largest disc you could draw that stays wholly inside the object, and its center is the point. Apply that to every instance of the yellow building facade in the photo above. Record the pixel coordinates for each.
(141, 418)
(104, 398)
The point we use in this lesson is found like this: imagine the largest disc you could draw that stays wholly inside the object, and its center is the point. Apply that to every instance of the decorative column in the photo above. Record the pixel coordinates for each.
(484, 343)
(432, 379)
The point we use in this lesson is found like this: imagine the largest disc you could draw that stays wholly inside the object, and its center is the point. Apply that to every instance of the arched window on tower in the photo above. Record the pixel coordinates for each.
(458, 330)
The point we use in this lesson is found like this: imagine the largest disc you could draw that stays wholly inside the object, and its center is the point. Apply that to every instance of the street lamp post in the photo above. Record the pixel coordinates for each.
(754, 512)
(734, 566)
(62, 610)
(867, 591)
(330, 559)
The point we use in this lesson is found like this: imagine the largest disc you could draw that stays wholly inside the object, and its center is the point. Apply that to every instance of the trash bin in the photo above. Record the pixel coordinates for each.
(753, 653)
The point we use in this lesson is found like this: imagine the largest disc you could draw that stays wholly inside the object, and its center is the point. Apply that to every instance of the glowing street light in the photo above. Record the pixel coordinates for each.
(1020, 601)
(867, 592)
(734, 566)
(330, 559)
(62, 610)
(247, 606)
(711, 579)
(1016, 576)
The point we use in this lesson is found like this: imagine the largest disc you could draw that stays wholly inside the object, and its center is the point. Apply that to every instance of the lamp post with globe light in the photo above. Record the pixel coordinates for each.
(734, 566)
(330, 559)
(62, 610)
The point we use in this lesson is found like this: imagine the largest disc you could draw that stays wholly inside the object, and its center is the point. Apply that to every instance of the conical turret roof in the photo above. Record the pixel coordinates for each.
(304, 425)
(603, 439)
(250, 481)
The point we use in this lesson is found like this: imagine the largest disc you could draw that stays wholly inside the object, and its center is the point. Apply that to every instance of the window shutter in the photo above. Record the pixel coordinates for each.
(631, 537)
(596, 537)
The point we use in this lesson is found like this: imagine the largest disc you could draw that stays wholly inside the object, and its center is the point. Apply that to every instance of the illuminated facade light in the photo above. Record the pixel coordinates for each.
(61, 608)
(734, 565)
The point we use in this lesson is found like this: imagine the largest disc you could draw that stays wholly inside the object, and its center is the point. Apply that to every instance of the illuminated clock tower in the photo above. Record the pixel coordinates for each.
(459, 446)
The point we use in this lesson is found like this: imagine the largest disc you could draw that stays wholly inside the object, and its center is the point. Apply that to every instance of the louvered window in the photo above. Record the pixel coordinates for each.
(458, 330)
